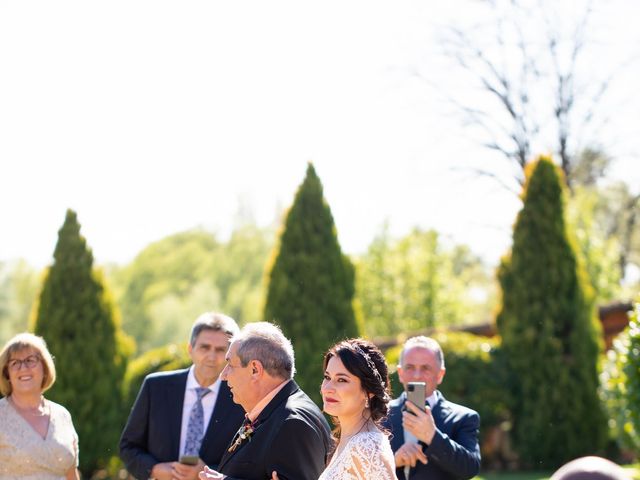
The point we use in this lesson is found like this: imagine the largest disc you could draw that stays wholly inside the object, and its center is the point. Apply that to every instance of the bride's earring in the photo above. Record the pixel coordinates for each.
(366, 403)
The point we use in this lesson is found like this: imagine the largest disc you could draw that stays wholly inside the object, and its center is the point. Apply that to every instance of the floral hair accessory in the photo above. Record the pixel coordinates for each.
(244, 433)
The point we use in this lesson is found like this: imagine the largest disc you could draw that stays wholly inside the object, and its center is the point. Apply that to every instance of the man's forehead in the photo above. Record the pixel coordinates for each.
(213, 337)
(418, 354)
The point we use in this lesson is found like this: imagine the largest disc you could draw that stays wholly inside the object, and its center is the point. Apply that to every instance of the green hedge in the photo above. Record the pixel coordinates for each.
(162, 359)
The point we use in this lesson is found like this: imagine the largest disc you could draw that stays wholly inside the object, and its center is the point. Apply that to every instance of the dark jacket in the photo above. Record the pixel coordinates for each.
(454, 452)
(291, 436)
(152, 433)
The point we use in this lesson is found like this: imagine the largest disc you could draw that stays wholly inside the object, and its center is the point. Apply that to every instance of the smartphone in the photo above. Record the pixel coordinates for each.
(189, 459)
(416, 393)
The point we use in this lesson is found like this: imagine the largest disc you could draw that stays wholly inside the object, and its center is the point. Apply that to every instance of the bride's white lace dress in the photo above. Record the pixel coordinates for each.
(367, 455)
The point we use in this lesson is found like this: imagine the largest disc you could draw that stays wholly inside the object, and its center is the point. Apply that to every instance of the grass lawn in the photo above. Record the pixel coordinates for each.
(633, 469)
(515, 476)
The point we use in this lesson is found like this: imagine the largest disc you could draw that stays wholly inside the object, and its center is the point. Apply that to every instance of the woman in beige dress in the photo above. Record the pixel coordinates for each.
(37, 438)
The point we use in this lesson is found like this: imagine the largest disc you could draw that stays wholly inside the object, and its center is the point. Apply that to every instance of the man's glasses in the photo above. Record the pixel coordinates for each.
(29, 362)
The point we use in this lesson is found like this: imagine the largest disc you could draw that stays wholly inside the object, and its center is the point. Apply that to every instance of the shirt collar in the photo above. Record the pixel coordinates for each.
(192, 383)
(257, 410)
(431, 399)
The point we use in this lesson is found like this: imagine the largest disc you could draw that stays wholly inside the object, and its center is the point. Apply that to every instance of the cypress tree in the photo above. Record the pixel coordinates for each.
(76, 317)
(311, 283)
(550, 333)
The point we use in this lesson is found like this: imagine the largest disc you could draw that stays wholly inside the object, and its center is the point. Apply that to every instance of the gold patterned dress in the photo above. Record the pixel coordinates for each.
(25, 455)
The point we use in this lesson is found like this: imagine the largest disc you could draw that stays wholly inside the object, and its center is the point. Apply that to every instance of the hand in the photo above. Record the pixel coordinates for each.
(420, 423)
(410, 454)
(274, 475)
(209, 474)
(182, 471)
(162, 471)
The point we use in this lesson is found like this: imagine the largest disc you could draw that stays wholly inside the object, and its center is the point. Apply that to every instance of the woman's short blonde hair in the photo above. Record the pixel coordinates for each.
(26, 341)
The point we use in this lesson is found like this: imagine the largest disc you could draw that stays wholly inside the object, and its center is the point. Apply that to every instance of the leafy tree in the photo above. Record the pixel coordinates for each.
(545, 96)
(418, 281)
(175, 279)
(604, 214)
(77, 318)
(598, 251)
(18, 289)
(163, 274)
(549, 331)
(311, 283)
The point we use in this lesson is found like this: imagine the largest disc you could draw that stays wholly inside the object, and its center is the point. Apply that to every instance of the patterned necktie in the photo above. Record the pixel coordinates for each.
(195, 427)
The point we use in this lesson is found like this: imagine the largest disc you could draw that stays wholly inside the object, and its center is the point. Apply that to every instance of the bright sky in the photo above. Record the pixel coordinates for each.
(152, 117)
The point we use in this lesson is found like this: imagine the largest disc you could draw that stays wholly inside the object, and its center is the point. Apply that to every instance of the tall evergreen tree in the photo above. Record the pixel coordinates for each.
(549, 331)
(76, 317)
(311, 283)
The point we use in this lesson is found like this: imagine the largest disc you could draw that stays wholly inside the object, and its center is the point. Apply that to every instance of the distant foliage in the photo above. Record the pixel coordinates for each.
(311, 283)
(174, 280)
(621, 382)
(163, 359)
(19, 285)
(551, 337)
(598, 250)
(77, 318)
(417, 282)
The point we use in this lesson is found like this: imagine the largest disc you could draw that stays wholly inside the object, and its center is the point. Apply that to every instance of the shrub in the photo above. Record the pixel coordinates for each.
(550, 334)
(78, 319)
(621, 386)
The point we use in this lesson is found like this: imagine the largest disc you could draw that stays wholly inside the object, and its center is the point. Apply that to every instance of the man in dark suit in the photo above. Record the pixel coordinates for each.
(284, 430)
(185, 412)
(440, 439)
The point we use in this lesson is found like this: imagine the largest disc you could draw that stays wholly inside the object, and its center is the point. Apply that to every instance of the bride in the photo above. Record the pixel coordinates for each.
(355, 392)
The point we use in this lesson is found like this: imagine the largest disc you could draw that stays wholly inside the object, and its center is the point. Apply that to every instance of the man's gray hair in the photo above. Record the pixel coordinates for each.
(591, 468)
(265, 342)
(214, 321)
(423, 342)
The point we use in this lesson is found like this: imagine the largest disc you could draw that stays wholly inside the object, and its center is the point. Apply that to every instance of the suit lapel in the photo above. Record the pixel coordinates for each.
(439, 410)
(280, 398)
(175, 404)
(396, 424)
(221, 409)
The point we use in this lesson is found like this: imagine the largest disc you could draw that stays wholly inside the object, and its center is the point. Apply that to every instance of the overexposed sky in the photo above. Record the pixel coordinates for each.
(152, 117)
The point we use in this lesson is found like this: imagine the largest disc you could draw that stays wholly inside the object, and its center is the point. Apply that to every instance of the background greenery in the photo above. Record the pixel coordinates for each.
(418, 283)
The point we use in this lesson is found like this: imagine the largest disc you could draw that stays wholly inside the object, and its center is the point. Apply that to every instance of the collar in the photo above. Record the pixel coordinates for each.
(260, 406)
(192, 383)
(432, 399)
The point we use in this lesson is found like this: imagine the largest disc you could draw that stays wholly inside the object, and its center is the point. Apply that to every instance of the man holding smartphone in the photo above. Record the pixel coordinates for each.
(432, 437)
(184, 419)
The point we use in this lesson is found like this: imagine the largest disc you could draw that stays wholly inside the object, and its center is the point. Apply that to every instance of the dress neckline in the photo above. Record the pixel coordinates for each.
(337, 454)
(28, 425)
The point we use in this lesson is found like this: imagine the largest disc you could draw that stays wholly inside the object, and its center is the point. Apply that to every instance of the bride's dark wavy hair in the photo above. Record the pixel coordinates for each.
(365, 361)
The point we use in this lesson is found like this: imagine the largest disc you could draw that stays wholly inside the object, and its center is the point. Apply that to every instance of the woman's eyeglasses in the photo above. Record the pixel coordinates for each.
(29, 362)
